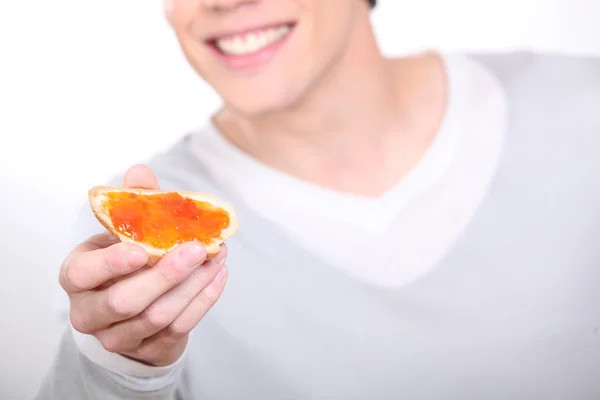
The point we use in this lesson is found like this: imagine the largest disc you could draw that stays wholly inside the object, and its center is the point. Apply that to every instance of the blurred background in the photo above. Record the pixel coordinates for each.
(88, 88)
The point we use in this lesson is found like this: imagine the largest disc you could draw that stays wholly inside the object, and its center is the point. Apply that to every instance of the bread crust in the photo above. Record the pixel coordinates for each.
(96, 197)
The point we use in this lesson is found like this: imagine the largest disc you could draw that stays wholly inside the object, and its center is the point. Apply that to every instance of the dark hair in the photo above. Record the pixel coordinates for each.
(372, 3)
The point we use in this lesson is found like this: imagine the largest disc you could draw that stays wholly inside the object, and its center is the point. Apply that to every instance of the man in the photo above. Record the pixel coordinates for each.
(418, 228)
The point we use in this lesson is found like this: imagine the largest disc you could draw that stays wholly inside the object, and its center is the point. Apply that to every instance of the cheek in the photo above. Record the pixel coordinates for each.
(168, 5)
(169, 10)
(180, 13)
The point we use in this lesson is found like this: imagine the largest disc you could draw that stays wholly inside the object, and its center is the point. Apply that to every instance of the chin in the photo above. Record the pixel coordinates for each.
(258, 104)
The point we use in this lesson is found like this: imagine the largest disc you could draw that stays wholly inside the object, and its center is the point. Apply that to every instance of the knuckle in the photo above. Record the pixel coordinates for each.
(206, 298)
(170, 272)
(209, 296)
(147, 351)
(111, 343)
(179, 329)
(198, 275)
(168, 340)
(120, 304)
(62, 270)
(166, 275)
(80, 321)
(72, 276)
(115, 261)
(69, 276)
(195, 282)
(173, 269)
(157, 317)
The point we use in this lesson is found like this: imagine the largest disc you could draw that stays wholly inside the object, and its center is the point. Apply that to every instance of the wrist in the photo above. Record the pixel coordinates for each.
(118, 364)
(162, 360)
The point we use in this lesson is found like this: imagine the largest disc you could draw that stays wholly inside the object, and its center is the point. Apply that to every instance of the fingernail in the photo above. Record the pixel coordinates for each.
(135, 258)
(192, 255)
(221, 275)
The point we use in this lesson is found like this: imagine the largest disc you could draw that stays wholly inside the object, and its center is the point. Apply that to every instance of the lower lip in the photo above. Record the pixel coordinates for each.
(251, 61)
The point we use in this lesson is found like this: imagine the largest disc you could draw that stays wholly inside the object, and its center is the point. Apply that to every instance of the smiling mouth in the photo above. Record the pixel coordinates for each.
(252, 42)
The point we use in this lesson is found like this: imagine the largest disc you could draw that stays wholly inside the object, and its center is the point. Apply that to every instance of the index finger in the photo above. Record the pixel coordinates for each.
(89, 266)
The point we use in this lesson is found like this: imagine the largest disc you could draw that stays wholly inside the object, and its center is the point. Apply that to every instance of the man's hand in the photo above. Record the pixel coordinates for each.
(142, 313)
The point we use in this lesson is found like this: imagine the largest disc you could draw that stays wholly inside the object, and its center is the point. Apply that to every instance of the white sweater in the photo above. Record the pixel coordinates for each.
(485, 275)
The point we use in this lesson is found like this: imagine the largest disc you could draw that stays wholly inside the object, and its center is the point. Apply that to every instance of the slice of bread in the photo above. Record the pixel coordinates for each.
(97, 195)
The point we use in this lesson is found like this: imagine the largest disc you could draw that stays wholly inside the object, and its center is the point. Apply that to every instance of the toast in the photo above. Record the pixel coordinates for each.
(153, 215)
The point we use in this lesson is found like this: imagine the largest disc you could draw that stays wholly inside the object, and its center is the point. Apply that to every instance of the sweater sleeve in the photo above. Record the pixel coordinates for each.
(74, 376)
(83, 369)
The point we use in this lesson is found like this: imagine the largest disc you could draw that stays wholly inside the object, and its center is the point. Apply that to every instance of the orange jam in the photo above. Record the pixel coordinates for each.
(164, 220)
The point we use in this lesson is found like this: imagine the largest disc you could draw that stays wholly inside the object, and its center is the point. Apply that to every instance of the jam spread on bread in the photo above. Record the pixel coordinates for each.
(164, 220)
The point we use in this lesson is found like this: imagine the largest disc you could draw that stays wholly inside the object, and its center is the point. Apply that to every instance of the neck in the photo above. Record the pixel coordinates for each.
(352, 126)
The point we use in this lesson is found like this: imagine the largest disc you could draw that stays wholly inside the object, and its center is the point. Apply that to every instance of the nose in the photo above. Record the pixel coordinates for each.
(226, 4)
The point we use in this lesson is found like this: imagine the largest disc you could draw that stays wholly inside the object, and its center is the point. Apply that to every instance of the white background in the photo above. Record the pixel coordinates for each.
(89, 87)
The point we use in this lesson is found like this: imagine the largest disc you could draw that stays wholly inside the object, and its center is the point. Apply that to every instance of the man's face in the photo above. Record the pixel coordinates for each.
(262, 55)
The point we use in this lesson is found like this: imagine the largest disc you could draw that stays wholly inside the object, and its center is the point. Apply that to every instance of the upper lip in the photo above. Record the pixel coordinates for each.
(241, 31)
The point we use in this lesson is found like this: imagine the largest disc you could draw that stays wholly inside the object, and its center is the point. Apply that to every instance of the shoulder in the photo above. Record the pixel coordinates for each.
(554, 81)
(553, 104)
(516, 66)
(549, 95)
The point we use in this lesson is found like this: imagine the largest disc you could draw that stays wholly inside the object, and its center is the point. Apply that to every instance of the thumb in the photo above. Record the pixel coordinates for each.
(140, 176)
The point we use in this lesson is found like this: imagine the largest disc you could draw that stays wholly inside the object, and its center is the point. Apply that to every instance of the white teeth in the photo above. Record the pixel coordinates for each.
(252, 42)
